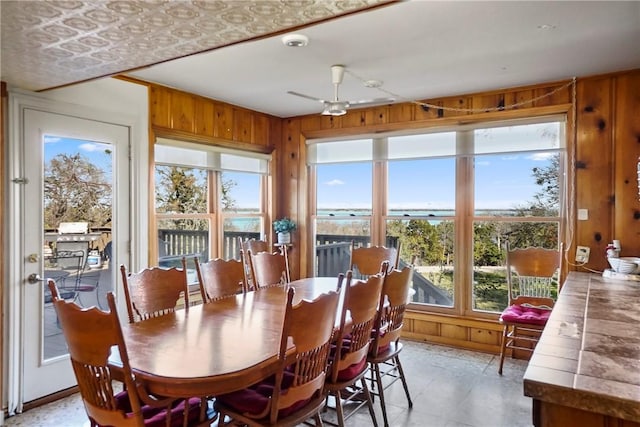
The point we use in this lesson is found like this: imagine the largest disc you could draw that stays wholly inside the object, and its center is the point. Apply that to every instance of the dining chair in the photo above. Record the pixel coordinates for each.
(255, 246)
(365, 261)
(220, 278)
(532, 286)
(268, 269)
(155, 291)
(384, 357)
(295, 393)
(347, 383)
(91, 335)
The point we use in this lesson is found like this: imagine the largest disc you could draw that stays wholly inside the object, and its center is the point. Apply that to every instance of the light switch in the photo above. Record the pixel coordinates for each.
(583, 214)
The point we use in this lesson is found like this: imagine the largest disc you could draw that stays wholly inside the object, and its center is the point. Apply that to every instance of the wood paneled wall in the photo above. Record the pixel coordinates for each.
(604, 148)
(170, 109)
(603, 152)
(188, 117)
(607, 155)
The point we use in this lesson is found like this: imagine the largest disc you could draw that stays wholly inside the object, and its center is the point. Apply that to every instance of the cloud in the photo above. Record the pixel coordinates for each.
(483, 163)
(90, 146)
(51, 139)
(334, 182)
(541, 156)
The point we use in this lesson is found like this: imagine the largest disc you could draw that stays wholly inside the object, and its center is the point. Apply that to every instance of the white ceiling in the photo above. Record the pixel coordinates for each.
(420, 50)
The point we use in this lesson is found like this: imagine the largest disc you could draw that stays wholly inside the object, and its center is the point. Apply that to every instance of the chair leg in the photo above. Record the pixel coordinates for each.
(318, 419)
(404, 380)
(376, 369)
(339, 410)
(369, 398)
(221, 419)
(503, 347)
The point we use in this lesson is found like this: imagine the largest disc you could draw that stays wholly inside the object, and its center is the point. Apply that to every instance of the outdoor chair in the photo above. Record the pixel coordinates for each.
(532, 290)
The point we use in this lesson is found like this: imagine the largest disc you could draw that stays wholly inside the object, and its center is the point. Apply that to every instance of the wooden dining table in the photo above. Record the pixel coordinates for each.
(214, 348)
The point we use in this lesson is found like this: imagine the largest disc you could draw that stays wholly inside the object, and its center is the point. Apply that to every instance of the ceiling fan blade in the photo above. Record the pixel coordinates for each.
(371, 102)
(302, 95)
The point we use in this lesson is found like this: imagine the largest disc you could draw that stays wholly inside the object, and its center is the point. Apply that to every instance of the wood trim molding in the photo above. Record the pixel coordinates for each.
(162, 132)
(446, 122)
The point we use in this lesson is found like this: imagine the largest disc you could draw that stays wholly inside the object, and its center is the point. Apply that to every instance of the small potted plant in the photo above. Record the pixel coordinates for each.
(284, 227)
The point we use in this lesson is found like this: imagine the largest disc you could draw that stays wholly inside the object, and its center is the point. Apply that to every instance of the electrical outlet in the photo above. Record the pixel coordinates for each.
(582, 254)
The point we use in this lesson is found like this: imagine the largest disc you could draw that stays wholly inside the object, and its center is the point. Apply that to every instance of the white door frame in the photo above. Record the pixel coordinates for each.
(137, 247)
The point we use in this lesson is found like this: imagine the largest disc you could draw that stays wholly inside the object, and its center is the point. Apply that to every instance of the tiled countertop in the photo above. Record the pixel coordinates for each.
(588, 357)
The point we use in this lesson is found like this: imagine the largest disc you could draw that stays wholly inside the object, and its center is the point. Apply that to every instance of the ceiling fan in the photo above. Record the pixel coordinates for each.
(336, 107)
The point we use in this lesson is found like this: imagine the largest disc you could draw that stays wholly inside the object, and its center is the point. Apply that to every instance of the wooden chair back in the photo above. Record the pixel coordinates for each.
(220, 278)
(366, 261)
(255, 246)
(155, 291)
(532, 275)
(361, 304)
(309, 363)
(90, 334)
(392, 306)
(268, 269)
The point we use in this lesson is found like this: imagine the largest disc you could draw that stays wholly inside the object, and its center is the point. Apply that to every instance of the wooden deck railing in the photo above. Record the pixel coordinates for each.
(333, 255)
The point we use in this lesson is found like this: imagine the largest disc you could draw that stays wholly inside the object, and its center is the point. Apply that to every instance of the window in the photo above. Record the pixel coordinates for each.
(449, 199)
(344, 201)
(206, 197)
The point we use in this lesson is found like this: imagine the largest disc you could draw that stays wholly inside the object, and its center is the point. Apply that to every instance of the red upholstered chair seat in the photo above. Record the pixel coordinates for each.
(525, 314)
(156, 417)
(254, 400)
(352, 370)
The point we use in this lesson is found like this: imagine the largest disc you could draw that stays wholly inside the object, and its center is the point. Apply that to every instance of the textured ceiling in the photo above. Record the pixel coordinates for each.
(47, 44)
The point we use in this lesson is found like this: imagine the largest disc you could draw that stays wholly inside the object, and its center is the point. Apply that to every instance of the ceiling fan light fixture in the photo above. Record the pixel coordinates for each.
(335, 109)
(295, 40)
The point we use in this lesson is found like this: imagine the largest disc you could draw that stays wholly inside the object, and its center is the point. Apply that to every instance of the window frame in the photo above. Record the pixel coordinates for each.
(464, 216)
(215, 214)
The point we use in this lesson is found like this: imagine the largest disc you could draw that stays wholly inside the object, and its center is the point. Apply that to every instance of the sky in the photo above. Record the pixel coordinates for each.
(93, 151)
(502, 181)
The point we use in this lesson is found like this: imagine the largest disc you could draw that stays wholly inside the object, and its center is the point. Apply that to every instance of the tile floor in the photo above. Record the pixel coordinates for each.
(449, 387)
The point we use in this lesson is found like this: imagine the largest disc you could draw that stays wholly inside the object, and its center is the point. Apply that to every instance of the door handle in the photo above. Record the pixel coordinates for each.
(35, 278)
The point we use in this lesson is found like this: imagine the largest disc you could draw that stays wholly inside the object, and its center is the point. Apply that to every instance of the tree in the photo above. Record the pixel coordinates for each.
(180, 190)
(184, 190)
(486, 249)
(427, 243)
(548, 198)
(76, 190)
(228, 202)
(546, 202)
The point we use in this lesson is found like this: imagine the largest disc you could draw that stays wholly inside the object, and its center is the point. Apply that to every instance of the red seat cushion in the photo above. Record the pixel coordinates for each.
(523, 314)
(353, 370)
(156, 417)
(350, 371)
(254, 400)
